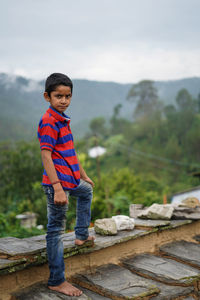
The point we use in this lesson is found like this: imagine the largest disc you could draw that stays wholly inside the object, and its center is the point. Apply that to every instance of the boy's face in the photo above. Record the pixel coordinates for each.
(59, 99)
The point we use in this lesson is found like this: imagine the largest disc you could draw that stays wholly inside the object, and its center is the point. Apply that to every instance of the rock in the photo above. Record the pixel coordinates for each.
(190, 202)
(157, 212)
(105, 226)
(123, 222)
(135, 209)
(162, 269)
(140, 223)
(186, 213)
(117, 282)
(183, 251)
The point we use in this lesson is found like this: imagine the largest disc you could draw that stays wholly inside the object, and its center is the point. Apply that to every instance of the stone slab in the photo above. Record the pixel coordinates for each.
(92, 295)
(6, 263)
(37, 238)
(163, 269)
(183, 212)
(185, 251)
(115, 281)
(11, 246)
(122, 236)
(168, 292)
(177, 223)
(151, 223)
(41, 292)
(16, 247)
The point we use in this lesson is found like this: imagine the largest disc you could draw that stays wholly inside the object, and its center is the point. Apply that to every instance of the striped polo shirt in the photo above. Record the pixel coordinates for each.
(54, 134)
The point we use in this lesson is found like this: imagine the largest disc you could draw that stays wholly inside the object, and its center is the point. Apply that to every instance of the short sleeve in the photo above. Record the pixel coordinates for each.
(47, 134)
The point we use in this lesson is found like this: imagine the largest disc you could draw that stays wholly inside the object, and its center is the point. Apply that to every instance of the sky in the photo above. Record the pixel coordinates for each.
(106, 40)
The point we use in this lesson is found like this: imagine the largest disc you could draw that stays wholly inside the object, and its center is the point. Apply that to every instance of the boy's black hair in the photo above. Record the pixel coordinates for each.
(55, 80)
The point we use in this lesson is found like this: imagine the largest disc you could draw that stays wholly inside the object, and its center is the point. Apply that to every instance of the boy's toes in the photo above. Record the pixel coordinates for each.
(81, 242)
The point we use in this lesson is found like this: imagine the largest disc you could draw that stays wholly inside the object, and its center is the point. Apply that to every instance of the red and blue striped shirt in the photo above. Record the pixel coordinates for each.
(54, 134)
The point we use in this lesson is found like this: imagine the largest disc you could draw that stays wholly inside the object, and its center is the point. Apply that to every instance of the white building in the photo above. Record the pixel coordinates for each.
(179, 197)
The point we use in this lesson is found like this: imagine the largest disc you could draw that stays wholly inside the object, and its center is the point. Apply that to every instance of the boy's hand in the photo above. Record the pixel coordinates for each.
(60, 198)
(87, 179)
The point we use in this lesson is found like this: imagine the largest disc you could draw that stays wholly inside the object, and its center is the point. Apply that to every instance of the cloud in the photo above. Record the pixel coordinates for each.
(103, 40)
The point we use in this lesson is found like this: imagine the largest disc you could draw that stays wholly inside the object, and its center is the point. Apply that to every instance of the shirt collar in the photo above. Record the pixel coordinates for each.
(57, 115)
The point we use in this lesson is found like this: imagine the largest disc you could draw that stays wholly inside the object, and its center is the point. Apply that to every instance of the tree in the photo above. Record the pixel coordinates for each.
(186, 108)
(145, 95)
(184, 101)
(97, 126)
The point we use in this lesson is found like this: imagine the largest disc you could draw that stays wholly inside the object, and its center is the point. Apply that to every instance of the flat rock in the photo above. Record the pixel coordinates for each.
(41, 292)
(168, 292)
(115, 281)
(5, 263)
(92, 295)
(37, 238)
(177, 223)
(150, 223)
(185, 251)
(105, 226)
(157, 212)
(183, 212)
(122, 236)
(162, 269)
(13, 246)
(124, 222)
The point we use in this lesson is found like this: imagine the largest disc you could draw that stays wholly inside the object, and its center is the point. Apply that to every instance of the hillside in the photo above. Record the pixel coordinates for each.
(22, 103)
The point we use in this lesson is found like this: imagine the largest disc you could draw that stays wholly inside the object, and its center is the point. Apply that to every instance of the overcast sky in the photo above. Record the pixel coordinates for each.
(108, 40)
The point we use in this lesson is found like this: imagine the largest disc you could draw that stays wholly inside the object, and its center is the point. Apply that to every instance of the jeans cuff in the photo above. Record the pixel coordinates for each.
(55, 282)
(81, 237)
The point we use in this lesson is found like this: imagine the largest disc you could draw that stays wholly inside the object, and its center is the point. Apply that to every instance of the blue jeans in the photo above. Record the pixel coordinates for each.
(56, 227)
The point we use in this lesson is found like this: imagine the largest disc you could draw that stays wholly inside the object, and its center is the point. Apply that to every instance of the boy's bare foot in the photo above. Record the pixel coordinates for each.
(67, 289)
(81, 242)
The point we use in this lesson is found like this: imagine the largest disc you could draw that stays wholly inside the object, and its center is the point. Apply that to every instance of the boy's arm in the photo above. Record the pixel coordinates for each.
(60, 197)
(84, 175)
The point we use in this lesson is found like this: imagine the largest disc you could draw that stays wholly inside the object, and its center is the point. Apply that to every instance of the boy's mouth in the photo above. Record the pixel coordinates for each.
(63, 107)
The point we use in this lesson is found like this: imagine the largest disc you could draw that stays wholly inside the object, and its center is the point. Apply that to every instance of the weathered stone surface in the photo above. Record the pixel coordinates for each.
(5, 263)
(123, 222)
(177, 223)
(135, 209)
(163, 269)
(168, 292)
(122, 236)
(115, 281)
(157, 212)
(105, 226)
(92, 295)
(185, 251)
(183, 212)
(150, 223)
(41, 292)
(14, 246)
(37, 238)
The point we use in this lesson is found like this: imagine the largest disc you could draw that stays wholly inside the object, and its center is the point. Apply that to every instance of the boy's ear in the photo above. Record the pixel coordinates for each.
(46, 97)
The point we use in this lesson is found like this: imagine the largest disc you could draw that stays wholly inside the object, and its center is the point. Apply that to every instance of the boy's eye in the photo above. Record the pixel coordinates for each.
(68, 96)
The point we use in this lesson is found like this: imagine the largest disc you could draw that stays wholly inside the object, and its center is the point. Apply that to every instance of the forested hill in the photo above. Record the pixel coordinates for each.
(22, 103)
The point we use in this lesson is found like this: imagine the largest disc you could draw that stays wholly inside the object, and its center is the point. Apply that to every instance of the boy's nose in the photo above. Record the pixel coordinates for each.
(63, 99)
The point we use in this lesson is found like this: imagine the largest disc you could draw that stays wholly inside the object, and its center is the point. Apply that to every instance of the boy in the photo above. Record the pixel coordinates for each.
(63, 176)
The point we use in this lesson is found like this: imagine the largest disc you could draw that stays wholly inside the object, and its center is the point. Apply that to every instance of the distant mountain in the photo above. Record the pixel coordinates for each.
(22, 103)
